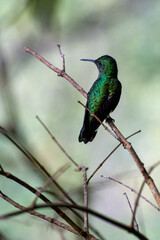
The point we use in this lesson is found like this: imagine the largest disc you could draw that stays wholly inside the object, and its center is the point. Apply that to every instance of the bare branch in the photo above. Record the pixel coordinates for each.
(101, 164)
(43, 198)
(138, 162)
(35, 162)
(140, 191)
(133, 190)
(81, 208)
(37, 214)
(57, 70)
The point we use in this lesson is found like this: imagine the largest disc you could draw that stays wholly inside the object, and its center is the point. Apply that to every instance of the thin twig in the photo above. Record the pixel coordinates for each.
(49, 181)
(133, 190)
(101, 164)
(135, 221)
(58, 144)
(81, 208)
(62, 55)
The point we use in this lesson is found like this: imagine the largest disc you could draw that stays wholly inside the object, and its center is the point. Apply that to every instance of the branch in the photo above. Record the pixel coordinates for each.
(45, 199)
(81, 208)
(37, 214)
(138, 162)
(57, 70)
(140, 191)
(133, 190)
(101, 164)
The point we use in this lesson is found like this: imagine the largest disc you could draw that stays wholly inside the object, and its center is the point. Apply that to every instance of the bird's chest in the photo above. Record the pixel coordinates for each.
(99, 89)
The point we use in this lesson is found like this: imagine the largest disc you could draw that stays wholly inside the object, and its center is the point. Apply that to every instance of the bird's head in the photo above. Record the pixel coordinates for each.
(105, 64)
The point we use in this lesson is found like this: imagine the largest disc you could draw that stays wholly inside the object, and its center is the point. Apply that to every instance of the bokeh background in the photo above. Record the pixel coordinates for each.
(127, 30)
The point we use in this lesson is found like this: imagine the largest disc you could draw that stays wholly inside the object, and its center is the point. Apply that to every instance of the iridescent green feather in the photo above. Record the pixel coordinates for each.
(102, 98)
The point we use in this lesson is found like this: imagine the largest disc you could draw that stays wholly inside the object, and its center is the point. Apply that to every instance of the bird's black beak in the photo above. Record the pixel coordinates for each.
(88, 60)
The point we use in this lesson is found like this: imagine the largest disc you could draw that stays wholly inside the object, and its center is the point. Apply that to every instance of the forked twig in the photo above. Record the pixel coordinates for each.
(133, 190)
(60, 73)
(101, 164)
(135, 221)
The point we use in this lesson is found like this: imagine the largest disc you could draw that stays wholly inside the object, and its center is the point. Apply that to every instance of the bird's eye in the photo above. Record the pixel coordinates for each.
(100, 63)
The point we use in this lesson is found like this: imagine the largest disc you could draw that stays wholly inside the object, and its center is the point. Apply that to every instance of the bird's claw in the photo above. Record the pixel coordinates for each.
(108, 118)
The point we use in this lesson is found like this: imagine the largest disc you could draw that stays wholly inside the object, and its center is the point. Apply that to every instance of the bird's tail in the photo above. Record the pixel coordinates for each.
(86, 135)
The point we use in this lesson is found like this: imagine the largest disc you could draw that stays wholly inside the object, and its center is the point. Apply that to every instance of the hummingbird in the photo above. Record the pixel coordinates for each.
(102, 98)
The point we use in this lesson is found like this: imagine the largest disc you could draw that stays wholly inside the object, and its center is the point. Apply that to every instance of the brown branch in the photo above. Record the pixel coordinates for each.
(81, 208)
(149, 181)
(101, 164)
(35, 162)
(37, 214)
(126, 144)
(133, 190)
(57, 70)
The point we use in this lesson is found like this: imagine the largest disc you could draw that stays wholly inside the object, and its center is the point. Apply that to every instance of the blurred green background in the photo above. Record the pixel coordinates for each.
(127, 30)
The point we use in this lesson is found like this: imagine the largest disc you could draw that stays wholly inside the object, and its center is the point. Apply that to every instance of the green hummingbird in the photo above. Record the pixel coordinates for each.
(102, 98)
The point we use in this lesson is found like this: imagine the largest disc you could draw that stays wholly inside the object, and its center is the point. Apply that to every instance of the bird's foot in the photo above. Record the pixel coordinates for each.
(108, 118)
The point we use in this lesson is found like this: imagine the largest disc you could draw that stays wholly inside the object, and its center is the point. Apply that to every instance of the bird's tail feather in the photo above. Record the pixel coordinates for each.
(86, 135)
